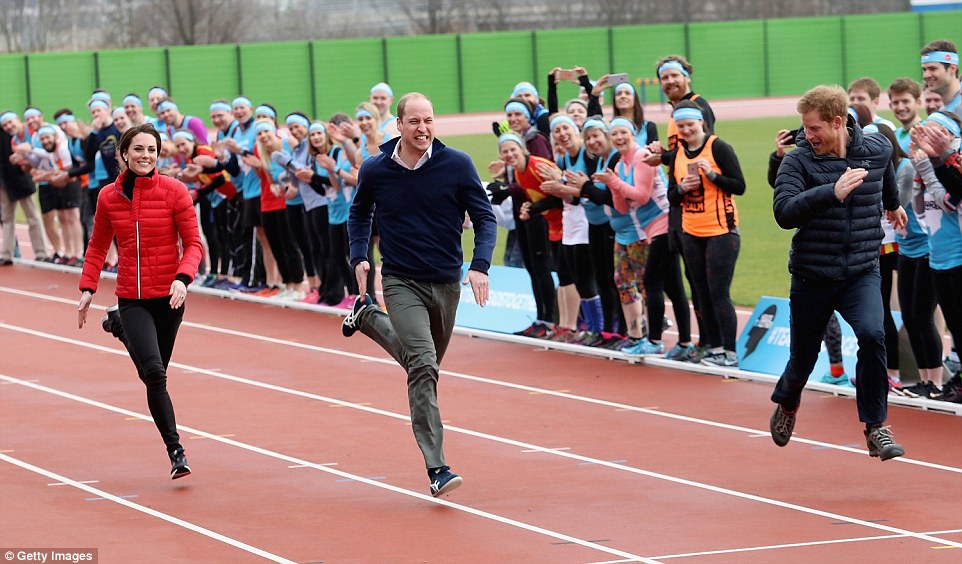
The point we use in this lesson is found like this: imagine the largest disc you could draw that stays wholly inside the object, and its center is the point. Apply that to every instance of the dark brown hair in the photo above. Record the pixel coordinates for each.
(128, 137)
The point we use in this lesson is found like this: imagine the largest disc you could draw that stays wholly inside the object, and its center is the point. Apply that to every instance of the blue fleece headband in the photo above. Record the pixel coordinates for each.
(362, 113)
(65, 118)
(157, 90)
(299, 120)
(947, 57)
(30, 112)
(622, 122)
(265, 111)
(382, 87)
(98, 104)
(687, 113)
(118, 111)
(100, 96)
(672, 65)
(46, 130)
(166, 105)
(505, 137)
(558, 120)
(944, 121)
(624, 86)
(593, 123)
(181, 134)
(517, 107)
(241, 101)
(264, 125)
(220, 107)
(7, 116)
(522, 87)
(853, 113)
(163, 136)
(133, 100)
(317, 126)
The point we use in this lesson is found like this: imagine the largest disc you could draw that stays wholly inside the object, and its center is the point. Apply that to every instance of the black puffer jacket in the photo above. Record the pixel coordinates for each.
(835, 240)
(15, 181)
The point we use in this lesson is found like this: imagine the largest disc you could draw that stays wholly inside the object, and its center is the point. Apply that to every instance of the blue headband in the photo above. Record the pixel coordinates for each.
(505, 137)
(121, 110)
(947, 57)
(523, 87)
(317, 126)
(182, 134)
(157, 90)
(362, 113)
(264, 126)
(593, 123)
(31, 112)
(46, 129)
(382, 87)
(163, 136)
(299, 120)
(65, 118)
(517, 107)
(687, 113)
(853, 113)
(241, 101)
(100, 96)
(6, 116)
(944, 121)
(219, 107)
(98, 104)
(265, 111)
(558, 120)
(672, 65)
(624, 86)
(133, 100)
(166, 105)
(622, 122)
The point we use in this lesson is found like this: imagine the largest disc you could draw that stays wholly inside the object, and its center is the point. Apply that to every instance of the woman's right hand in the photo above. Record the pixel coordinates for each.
(82, 307)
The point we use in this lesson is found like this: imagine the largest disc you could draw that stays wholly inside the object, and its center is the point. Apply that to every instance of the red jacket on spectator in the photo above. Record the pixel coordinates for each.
(147, 230)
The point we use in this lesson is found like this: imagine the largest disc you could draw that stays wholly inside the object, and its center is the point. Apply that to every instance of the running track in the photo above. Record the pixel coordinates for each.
(302, 452)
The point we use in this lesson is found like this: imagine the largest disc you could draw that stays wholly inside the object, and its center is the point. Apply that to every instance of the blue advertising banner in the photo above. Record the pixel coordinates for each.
(764, 343)
(510, 305)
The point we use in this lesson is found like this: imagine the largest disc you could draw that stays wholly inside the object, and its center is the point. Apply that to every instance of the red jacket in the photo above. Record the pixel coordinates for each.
(147, 230)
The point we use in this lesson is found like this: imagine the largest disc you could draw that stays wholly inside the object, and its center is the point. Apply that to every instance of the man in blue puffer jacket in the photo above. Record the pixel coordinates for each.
(832, 190)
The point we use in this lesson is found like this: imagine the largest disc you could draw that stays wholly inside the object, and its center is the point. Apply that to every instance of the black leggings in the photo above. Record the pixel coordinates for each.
(224, 217)
(341, 272)
(278, 237)
(533, 238)
(888, 263)
(601, 242)
(917, 301)
(577, 259)
(319, 239)
(663, 276)
(297, 225)
(948, 290)
(675, 233)
(206, 216)
(712, 264)
(150, 328)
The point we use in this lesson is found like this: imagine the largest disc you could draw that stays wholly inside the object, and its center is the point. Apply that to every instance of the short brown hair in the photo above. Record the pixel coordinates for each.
(829, 101)
(128, 137)
(678, 59)
(942, 45)
(903, 85)
(867, 84)
(403, 102)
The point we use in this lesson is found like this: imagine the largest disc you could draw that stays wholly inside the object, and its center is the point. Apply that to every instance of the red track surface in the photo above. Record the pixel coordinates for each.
(565, 458)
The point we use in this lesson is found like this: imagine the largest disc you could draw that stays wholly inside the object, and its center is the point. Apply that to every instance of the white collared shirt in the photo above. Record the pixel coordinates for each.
(396, 157)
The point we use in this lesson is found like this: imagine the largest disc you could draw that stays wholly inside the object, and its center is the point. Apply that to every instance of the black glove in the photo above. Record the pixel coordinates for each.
(499, 192)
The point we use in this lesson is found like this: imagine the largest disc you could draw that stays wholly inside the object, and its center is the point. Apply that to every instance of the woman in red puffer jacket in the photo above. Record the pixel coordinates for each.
(152, 216)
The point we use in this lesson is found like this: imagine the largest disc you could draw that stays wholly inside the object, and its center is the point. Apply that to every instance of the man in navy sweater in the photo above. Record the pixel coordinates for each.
(420, 190)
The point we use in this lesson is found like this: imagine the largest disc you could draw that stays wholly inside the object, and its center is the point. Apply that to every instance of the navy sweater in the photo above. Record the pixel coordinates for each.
(420, 215)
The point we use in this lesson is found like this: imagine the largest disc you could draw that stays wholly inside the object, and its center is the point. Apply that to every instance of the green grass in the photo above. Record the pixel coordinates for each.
(762, 267)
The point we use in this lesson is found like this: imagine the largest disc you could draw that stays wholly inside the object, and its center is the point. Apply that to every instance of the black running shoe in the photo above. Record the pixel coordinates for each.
(881, 443)
(350, 324)
(782, 424)
(178, 464)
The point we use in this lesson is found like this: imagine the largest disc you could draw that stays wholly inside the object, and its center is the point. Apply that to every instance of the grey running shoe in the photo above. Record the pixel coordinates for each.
(697, 354)
(881, 443)
(725, 359)
(953, 366)
(781, 425)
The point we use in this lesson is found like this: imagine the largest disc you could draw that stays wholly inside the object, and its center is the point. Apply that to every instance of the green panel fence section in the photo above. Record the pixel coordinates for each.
(13, 87)
(475, 72)
(871, 48)
(59, 80)
(426, 64)
(278, 74)
(802, 53)
(729, 59)
(132, 70)
(484, 60)
(344, 72)
(201, 74)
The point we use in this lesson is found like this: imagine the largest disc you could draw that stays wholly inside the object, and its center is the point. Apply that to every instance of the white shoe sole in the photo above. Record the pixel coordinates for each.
(454, 484)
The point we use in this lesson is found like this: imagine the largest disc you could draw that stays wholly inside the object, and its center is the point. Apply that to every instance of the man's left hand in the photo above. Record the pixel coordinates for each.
(479, 285)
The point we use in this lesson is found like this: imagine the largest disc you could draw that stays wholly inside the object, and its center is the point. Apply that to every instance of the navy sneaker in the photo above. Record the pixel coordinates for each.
(178, 464)
(350, 324)
(443, 480)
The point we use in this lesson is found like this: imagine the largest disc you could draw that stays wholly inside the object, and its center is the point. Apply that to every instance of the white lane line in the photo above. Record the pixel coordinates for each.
(340, 473)
(523, 445)
(483, 380)
(152, 512)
